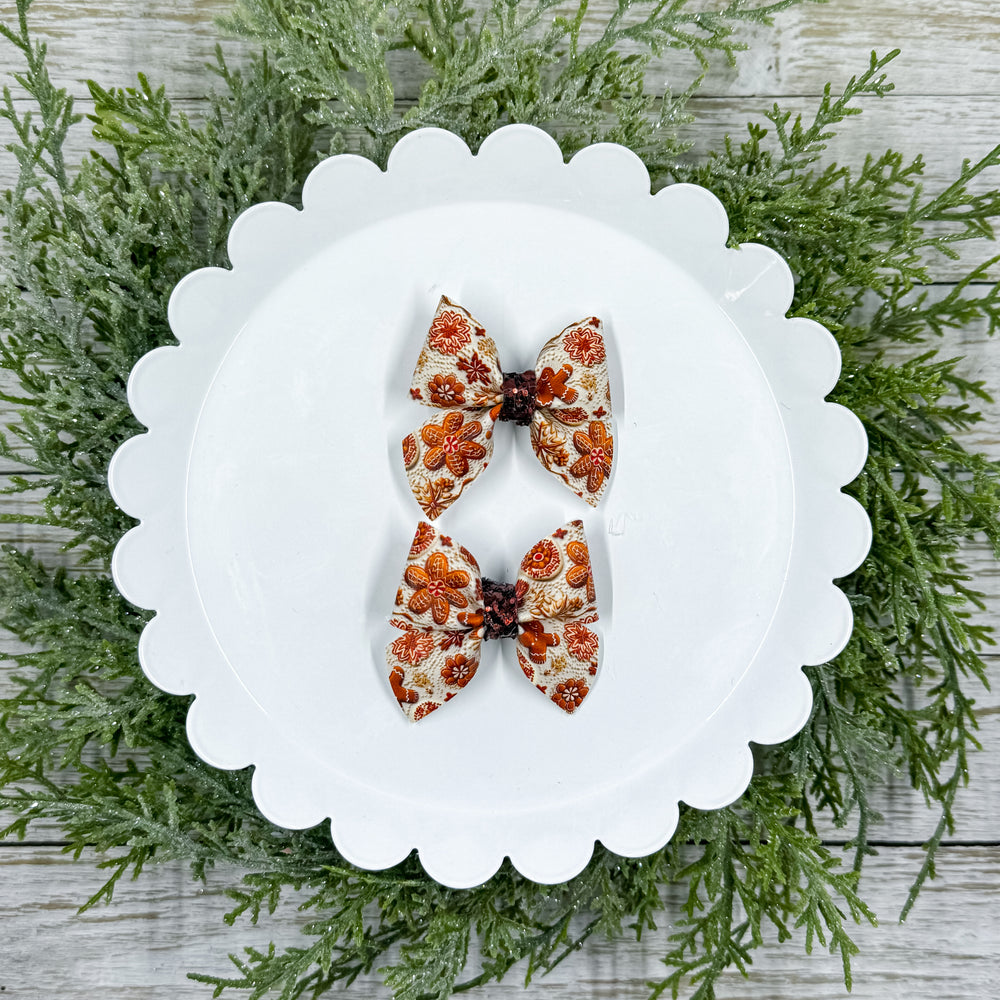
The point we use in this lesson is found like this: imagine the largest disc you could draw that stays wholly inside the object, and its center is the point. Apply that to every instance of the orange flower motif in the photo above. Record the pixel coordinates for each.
(451, 443)
(459, 669)
(584, 345)
(581, 642)
(451, 638)
(446, 390)
(413, 646)
(449, 332)
(596, 450)
(475, 369)
(552, 385)
(580, 574)
(537, 641)
(570, 694)
(436, 587)
(542, 562)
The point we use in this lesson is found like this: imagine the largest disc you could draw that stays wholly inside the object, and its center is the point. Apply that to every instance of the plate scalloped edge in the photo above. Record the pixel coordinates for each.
(752, 284)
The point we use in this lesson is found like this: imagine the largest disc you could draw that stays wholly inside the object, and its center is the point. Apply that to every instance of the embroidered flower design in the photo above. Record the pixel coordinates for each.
(434, 496)
(446, 390)
(416, 394)
(537, 641)
(581, 642)
(454, 637)
(596, 451)
(413, 646)
(435, 586)
(584, 345)
(411, 451)
(449, 332)
(543, 561)
(451, 443)
(475, 368)
(552, 385)
(569, 694)
(459, 669)
(425, 709)
(580, 573)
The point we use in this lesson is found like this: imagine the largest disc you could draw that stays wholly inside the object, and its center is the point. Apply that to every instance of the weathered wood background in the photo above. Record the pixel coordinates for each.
(945, 105)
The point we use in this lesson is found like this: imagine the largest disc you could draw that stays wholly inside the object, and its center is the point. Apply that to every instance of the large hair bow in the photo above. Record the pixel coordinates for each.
(446, 610)
(566, 401)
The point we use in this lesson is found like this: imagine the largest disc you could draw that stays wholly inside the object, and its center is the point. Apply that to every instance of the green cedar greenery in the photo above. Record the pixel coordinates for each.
(93, 253)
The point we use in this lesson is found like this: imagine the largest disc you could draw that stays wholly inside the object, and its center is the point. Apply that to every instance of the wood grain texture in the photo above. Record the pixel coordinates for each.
(165, 925)
(949, 46)
(948, 79)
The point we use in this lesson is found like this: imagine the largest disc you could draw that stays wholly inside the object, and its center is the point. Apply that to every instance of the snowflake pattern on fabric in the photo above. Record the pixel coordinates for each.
(566, 401)
(444, 620)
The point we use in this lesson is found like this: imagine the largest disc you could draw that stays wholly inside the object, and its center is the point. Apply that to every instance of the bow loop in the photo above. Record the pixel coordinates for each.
(446, 610)
(565, 401)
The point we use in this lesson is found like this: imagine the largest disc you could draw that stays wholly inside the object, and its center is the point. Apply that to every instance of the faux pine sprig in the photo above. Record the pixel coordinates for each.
(93, 253)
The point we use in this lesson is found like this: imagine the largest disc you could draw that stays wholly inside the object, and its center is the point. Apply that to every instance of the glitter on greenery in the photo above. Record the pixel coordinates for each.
(93, 253)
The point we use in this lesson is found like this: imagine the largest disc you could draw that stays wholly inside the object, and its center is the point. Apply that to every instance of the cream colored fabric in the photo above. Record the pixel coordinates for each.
(459, 372)
(440, 614)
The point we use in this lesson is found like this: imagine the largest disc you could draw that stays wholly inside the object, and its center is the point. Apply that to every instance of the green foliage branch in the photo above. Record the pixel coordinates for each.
(93, 253)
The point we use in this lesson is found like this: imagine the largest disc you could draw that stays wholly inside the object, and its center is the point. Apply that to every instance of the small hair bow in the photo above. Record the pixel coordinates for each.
(446, 610)
(566, 401)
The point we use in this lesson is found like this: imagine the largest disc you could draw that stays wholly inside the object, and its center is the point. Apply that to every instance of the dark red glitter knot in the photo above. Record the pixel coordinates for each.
(518, 397)
(499, 610)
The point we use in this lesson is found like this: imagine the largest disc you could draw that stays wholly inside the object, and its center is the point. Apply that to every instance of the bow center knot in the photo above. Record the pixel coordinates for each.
(518, 397)
(499, 610)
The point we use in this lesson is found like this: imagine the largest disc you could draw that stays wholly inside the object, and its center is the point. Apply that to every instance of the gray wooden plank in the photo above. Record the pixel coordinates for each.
(165, 925)
(948, 45)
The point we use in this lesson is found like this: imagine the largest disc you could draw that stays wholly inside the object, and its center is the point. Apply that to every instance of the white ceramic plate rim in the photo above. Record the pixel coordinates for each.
(752, 285)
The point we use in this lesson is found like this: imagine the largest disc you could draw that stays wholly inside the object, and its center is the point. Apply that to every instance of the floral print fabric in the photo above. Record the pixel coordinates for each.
(458, 370)
(440, 613)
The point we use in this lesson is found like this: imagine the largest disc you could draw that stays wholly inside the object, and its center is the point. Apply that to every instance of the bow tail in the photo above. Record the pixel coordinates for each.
(579, 455)
(429, 667)
(445, 456)
(560, 658)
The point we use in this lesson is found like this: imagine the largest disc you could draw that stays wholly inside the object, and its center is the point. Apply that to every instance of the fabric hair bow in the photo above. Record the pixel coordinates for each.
(446, 610)
(566, 401)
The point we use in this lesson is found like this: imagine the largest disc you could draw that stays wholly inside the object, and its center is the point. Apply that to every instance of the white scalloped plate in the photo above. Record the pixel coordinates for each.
(275, 517)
